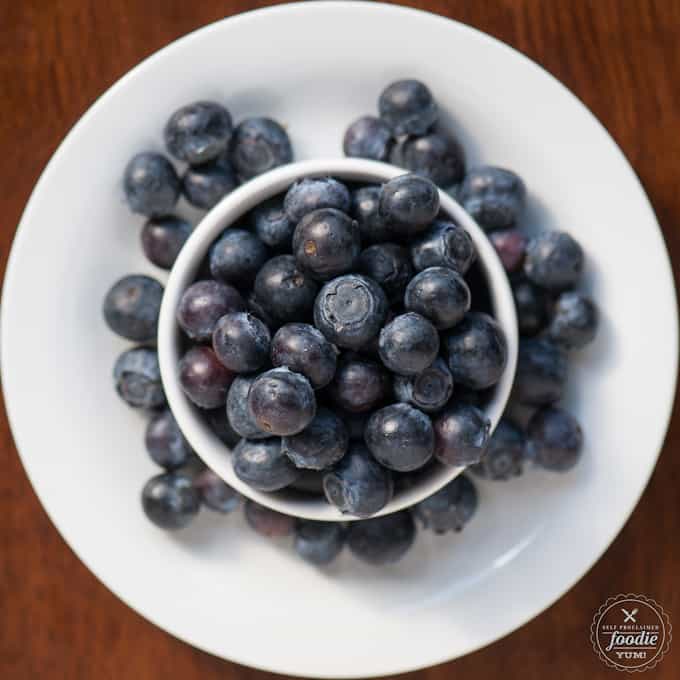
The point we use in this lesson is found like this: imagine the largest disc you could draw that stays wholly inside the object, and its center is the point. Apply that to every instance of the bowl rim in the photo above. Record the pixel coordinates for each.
(227, 214)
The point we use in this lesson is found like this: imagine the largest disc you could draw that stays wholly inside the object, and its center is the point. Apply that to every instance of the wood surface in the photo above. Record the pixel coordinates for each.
(621, 57)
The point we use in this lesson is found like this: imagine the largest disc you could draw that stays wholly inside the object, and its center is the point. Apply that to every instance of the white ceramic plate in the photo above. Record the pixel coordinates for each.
(317, 66)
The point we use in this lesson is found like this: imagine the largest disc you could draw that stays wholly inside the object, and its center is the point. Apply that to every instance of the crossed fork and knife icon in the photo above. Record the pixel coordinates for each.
(629, 616)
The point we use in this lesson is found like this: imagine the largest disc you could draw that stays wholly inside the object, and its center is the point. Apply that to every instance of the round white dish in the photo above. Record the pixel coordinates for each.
(316, 66)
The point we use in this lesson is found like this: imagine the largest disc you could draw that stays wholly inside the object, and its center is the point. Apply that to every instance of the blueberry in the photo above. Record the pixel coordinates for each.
(326, 243)
(450, 509)
(236, 257)
(313, 193)
(444, 244)
(266, 522)
(364, 209)
(309, 482)
(389, 265)
(400, 437)
(170, 500)
(532, 304)
(220, 425)
(358, 485)
(494, 197)
(408, 107)
(215, 494)
(437, 156)
(440, 294)
(284, 291)
(151, 184)
(137, 377)
(408, 344)
(541, 372)
(359, 384)
(131, 307)
(258, 145)
(429, 390)
(304, 349)
(202, 304)
(198, 132)
(318, 542)
(204, 379)
(282, 402)
(272, 225)
(555, 439)
(461, 435)
(408, 203)
(368, 137)
(263, 465)
(477, 351)
(553, 260)
(574, 321)
(382, 540)
(350, 310)
(241, 342)
(322, 444)
(163, 238)
(505, 453)
(511, 245)
(205, 185)
(239, 415)
(165, 442)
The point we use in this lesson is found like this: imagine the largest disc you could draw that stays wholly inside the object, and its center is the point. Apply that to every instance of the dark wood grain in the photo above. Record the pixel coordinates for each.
(621, 57)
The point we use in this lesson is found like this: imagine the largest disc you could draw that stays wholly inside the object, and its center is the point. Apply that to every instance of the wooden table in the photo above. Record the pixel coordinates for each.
(621, 57)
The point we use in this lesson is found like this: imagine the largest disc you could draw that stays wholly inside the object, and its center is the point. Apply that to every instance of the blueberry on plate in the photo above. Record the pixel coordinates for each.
(408, 107)
(429, 390)
(574, 322)
(382, 540)
(263, 465)
(358, 484)
(408, 344)
(461, 435)
(205, 185)
(389, 265)
(282, 402)
(494, 197)
(450, 509)
(318, 543)
(505, 454)
(215, 493)
(554, 260)
(304, 349)
(271, 224)
(321, 444)
(408, 203)
(555, 439)
(359, 384)
(267, 522)
(326, 243)
(131, 307)
(203, 377)
(202, 304)
(258, 145)
(151, 184)
(137, 378)
(368, 137)
(239, 415)
(198, 132)
(241, 342)
(510, 245)
(444, 244)
(364, 209)
(313, 193)
(236, 257)
(165, 442)
(400, 437)
(437, 156)
(220, 425)
(477, 351)
(541, 372)
(163, 238)
(170, 500)
(439, 294)
(350, 310)
(532, 305)
(284, 291)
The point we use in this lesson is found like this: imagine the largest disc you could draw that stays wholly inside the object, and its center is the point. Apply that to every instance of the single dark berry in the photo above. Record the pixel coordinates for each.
(204, 378)
(205, 185)
(461, 435)
(359, 384)
(238, 413)
(429, 390)
(555, 439)
(408, 344)
(364, 209)
(267, 522)
(408, 203)
(163, 238)
(437, 156)
(215, 493)
(444, 244)
(440, 294)
(170, 500)
(533, 307)
(318, 543)
(309, 194)
(408, 107)
(574, 322)
(137, 378)
(382, 541)
(258, 145)
(151, 185)
(368, 137)
(131, 307)
(263, 465)
(450, 509)
(165, 442)
(272, 225)
(321, 444)
(241, 342)
(236, 257)
(505, 454)
(541, 372)
(511, 245)
(553, 260)
(389, 265)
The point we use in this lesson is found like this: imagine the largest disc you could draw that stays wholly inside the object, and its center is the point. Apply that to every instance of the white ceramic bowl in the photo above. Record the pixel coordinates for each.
(192, 422)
